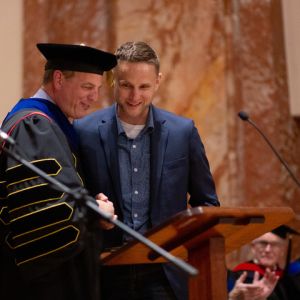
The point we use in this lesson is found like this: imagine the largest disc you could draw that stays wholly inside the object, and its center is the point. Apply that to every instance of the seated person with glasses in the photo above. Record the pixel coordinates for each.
(267, 275)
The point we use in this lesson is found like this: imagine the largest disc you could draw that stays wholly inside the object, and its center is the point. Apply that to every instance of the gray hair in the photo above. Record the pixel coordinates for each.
(48, 75)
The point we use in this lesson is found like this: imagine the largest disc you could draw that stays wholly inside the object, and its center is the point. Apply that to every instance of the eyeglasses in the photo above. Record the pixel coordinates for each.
(263, 244)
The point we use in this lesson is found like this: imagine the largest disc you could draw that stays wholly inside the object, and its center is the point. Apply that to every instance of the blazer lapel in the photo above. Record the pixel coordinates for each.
(108, 134)
(158, 147)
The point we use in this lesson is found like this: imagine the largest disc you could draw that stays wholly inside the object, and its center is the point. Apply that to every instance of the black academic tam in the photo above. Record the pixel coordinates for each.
(81, 58)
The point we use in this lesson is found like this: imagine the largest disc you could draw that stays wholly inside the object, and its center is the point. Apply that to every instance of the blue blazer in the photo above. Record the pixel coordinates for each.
(178, 167)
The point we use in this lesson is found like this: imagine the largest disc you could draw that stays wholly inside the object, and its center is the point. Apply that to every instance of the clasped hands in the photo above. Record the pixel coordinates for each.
(106, 206)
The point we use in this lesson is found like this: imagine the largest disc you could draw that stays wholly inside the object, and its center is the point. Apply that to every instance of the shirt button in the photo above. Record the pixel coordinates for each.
(136, 192)
(134, 146)
(135, 169)
(135, 215)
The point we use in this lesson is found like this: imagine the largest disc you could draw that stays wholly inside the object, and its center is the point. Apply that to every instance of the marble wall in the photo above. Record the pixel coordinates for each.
(217, 57)
(11, 54)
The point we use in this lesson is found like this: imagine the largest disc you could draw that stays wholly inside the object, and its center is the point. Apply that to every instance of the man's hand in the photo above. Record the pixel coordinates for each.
(107, 206)
(259, 289)
(267, 283)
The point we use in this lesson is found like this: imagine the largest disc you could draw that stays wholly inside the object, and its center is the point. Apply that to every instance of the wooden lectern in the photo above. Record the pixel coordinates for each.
(203, 236)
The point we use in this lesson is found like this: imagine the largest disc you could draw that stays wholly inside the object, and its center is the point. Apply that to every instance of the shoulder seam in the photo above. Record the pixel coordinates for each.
(13, 126)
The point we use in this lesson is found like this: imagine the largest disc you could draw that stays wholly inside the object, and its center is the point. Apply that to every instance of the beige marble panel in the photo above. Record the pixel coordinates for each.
(217, 57)
(11, 54)
(258, 65)
(68, 21)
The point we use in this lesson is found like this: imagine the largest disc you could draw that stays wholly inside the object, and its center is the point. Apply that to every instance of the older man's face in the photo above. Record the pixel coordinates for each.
(269, 250)
(76, 94)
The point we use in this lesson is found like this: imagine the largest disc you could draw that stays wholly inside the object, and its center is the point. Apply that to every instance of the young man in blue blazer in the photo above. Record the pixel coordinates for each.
(150, 163)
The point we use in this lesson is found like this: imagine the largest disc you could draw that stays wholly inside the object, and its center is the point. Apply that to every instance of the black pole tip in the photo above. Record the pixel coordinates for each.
(243, 115)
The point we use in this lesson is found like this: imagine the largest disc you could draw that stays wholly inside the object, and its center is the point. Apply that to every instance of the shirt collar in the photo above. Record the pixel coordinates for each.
(149, 124)
(42, 95)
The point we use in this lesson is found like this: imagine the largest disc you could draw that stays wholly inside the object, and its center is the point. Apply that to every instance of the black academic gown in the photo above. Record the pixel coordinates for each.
(47, 249)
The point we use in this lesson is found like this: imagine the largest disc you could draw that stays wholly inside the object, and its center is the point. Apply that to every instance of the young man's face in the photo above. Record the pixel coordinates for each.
(269, 250)
(74, 95)
(135, 87)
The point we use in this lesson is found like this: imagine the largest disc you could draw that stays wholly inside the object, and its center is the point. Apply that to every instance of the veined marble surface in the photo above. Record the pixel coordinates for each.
(217, 58)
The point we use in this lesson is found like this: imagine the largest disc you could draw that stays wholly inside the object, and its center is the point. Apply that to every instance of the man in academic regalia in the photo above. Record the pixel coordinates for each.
(269, 275)
(47, 247)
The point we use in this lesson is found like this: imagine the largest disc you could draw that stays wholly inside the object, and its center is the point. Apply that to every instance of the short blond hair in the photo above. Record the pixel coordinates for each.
(138, 52)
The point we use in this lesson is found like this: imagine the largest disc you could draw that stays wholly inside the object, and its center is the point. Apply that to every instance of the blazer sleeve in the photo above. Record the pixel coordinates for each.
(201, 184)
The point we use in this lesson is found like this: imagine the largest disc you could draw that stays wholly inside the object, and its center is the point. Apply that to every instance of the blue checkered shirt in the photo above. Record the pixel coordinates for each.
(134, 162)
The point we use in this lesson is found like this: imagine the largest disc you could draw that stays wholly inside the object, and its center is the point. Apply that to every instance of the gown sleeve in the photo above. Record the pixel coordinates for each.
(45, 227)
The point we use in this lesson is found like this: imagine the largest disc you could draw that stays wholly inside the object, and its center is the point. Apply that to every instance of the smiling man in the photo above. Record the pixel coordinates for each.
(47, 249)
(147, 161)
